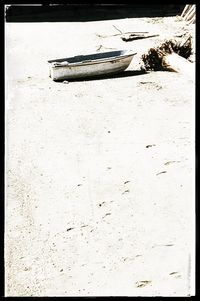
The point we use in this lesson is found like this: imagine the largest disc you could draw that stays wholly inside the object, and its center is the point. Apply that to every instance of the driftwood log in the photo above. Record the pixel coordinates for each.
(171, 56)
(138, 36)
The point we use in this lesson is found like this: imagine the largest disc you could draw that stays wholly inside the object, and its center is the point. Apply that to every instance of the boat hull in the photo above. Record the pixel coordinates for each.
(89, 68)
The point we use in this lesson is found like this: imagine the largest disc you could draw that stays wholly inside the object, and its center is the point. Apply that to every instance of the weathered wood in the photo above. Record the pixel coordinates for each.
(185, 10)
(192, 20)
(117, 29)
(132, 37)
(177, 63)
(191, 16)
(189, 13)
(119, 34)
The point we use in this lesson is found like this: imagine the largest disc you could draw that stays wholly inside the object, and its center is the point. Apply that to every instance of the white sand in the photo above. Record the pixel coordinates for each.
(90, 210)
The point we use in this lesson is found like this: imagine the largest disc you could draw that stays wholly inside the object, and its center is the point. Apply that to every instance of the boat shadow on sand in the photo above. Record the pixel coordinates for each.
(128, 73)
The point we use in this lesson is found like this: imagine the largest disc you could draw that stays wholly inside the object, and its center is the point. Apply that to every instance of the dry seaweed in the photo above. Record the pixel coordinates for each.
(154, 58)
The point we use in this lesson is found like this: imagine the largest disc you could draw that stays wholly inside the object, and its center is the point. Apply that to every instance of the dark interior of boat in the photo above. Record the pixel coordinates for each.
(96, 56)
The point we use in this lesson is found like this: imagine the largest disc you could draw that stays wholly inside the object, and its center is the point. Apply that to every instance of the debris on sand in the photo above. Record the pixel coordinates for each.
(100, 204)
(173, 273)
(170, 162)
(106, 214)
(150, 145)
(161, 172)
(171, 55)
(133, 36)
(142, 283)
(126, 191)
(69, 229)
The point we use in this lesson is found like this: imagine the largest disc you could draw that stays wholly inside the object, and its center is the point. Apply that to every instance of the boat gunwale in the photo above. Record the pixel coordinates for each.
(91, 62)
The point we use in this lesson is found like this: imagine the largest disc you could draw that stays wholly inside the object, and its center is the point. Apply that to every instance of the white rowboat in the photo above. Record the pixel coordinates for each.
(90, 65)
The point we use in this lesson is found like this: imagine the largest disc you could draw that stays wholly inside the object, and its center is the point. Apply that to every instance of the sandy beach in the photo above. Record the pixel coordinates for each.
(100, 196)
